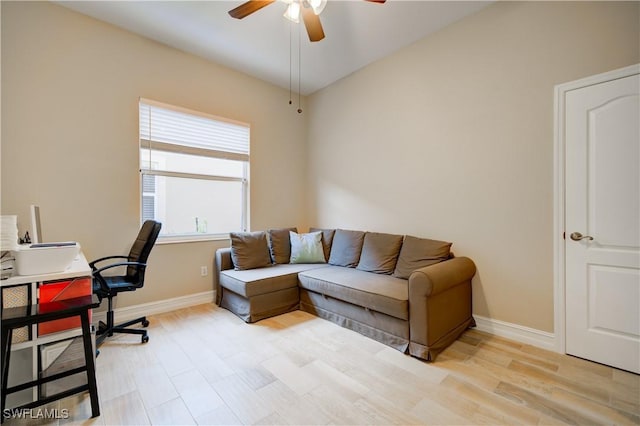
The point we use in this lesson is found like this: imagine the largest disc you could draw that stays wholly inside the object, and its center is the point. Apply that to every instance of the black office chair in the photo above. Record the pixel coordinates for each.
(110, 286)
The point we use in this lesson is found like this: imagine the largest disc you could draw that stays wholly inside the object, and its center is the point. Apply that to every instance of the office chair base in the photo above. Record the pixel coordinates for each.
(105, 331)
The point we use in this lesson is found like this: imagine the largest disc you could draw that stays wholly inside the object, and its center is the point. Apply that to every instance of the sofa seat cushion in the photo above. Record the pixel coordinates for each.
(382, 293)
(252, 282)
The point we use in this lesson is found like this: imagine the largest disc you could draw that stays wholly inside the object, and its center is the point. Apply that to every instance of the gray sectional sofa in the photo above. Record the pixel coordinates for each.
(409, 293)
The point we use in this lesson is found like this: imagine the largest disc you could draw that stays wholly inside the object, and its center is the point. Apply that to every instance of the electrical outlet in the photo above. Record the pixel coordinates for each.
(203, 271)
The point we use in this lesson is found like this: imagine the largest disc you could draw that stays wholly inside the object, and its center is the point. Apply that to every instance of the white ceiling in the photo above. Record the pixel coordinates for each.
(357, 33)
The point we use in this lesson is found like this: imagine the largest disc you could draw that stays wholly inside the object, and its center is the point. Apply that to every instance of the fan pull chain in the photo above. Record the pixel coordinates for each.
(290, 60)
(299, 64)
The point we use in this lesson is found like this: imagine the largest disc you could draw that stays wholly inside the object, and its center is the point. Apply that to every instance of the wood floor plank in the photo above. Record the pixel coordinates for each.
(626, 401)
(577, 386)
(626, 378)
(173, 359)
(458, 368)
(595, 368)
(172, 412)
(79, 410)
(274, 419)
(243, 401)
(386, 387)
(154, 385)
(478, 351)
(296, 378)
(432, 412)
(113, 378)
(546, 406)
(386, 411)
(222, 415)
(325, 374)
(486, 338)
(297, 409)
(511, 413)
(511, 376)
(505, 351)
(126, 409)
(196, 393)
(603, 413)
(414, 366)
(339, 410)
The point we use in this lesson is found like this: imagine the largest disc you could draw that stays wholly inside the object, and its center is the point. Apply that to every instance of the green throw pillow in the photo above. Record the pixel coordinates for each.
(306, 248)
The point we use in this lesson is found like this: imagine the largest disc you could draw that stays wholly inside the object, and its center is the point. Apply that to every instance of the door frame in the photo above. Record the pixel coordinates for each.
(559, 163)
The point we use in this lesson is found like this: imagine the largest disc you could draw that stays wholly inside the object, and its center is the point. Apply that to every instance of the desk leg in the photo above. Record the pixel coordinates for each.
(6, 354)
(90, 362)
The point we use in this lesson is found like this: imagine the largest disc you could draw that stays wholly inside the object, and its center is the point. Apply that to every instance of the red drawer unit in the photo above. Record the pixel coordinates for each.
(60, 290)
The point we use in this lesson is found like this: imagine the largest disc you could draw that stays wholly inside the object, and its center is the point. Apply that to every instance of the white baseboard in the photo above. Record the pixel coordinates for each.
(159, 307)
(519, 333)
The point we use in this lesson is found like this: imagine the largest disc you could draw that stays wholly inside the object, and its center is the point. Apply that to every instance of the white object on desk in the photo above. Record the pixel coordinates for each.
(53, 257)
(36, 228)
(8, 232)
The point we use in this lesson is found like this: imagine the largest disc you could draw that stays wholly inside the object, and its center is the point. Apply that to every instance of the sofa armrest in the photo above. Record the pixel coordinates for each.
(434, 279)
(222, 262)
(439, 305)
(223, 259)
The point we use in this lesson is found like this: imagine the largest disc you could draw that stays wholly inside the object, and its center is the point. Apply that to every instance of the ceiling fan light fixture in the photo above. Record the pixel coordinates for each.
(317, 6)
(293, 12)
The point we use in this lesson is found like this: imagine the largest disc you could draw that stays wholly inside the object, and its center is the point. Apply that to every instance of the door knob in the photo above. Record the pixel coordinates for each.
(576, 236)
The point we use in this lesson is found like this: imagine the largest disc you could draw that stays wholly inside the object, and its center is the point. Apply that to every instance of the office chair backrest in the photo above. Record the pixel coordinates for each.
(141, 248)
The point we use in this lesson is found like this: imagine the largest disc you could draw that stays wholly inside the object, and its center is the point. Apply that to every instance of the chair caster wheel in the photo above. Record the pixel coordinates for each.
(145, 323)
(145, 339)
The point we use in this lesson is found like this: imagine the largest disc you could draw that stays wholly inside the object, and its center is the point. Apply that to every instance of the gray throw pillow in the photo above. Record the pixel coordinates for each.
(380, 253)
(327, 240)
(417, 253)
(346, 248)
(280, 245)
(249, 250)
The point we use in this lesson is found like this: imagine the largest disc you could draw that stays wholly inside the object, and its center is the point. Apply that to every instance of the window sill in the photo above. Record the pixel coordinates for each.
(180, 239)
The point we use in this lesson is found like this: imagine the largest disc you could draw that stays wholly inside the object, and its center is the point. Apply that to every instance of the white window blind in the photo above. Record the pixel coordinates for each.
(169, 128)
(194, 171)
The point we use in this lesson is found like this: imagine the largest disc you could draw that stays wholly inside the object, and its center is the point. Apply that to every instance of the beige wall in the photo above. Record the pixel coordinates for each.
(70, 87)
(452, 138)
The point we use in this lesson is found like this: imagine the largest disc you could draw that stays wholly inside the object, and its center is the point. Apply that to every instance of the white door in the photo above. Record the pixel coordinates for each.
(602, 222)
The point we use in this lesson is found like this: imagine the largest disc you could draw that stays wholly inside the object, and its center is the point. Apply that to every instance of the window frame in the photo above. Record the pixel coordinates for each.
(163, 146)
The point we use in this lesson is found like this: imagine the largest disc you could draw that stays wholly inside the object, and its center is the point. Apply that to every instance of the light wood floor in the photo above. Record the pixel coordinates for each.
(203, 365)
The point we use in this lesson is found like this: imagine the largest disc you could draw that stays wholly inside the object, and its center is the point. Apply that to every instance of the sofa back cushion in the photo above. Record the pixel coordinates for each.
(380, 252)
(279, 244)
(417, 253)
(346, 248)
(327, 240)
(249, 250)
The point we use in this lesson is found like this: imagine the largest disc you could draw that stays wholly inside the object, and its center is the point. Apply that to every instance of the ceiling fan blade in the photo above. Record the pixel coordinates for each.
(246, 9)
(313, 24)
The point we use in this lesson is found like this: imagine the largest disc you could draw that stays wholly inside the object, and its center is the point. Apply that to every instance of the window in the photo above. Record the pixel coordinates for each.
(194, 171)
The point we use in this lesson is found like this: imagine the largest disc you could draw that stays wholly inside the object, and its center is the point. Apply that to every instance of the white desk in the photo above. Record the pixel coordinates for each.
(29, 356)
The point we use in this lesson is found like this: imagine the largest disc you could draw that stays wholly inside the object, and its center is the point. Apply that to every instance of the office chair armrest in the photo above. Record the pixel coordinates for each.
(92, 264)
(97, 273)
(115, 265)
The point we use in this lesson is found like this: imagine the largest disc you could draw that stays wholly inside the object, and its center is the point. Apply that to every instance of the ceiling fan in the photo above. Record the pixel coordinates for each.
(309, 9)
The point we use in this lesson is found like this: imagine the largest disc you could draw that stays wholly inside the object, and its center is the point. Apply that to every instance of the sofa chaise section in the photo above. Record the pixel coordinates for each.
(255, 294)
